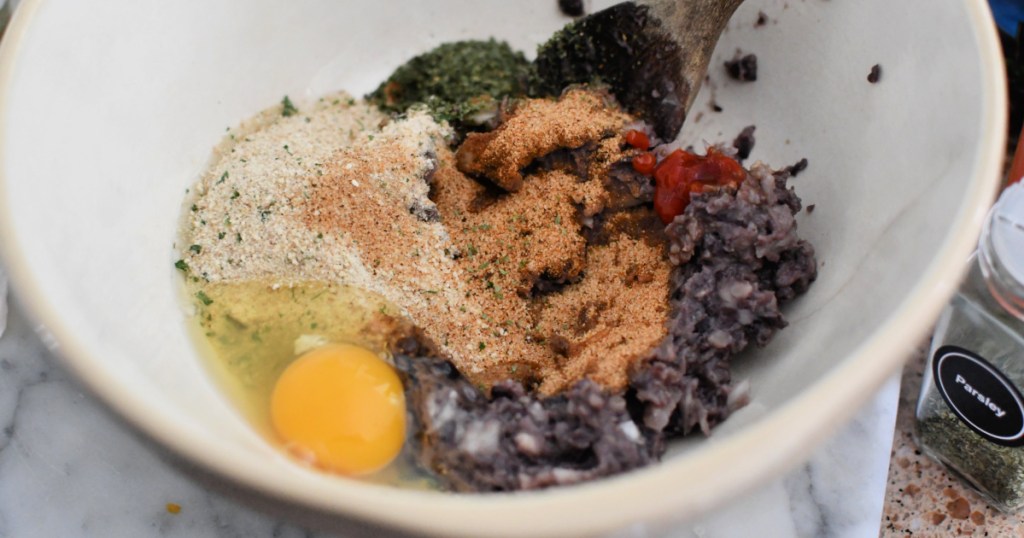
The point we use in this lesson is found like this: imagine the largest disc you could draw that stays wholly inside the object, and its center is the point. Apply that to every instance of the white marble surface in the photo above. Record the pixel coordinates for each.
(70, 469)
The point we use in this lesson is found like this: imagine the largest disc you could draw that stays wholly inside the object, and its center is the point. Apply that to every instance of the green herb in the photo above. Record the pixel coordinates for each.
(238, 237)
(221, 235)
(196, 249)
(287, 108)
(181, 265)
(234, 195)
(482, 346)
(471, 249)
(558, 220)
(288, 150)
(223, 177)
(195, 208)
(461, 82)
(203, 298)
(610, 49)
(999, 470)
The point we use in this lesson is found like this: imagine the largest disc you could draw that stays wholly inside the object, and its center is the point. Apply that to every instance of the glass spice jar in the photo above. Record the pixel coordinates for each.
(970, 414)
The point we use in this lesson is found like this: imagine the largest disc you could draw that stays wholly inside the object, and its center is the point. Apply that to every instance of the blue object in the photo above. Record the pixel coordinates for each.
(1007, 14)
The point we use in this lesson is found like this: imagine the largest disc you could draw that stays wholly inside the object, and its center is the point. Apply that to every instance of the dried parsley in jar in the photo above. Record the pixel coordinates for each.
(970, 415)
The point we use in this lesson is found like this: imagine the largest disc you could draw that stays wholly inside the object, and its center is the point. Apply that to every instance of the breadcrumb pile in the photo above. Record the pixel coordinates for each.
(336, 191)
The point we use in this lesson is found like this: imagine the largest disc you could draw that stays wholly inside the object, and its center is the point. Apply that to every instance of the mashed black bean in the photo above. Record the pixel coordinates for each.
(515, 440)
(737, 259)
(742, 68)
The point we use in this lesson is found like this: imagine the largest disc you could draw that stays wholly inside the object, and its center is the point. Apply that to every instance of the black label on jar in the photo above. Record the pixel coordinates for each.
(980, 395)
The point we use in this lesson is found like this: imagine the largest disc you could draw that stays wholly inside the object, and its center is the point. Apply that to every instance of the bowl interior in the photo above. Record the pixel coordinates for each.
(110, 110)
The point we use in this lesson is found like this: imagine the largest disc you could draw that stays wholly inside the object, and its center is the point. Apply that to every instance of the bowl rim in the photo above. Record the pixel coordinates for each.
(807, 419)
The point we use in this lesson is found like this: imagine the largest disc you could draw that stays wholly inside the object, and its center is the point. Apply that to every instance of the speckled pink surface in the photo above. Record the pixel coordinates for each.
(922, 499)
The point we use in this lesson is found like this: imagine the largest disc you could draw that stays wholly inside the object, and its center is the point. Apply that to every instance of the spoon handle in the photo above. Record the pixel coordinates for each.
(696, 26)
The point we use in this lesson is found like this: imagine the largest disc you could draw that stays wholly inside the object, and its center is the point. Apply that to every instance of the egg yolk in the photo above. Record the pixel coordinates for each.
(341, 408)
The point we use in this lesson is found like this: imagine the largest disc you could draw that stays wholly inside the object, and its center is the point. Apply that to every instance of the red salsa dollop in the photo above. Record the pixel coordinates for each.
(682, 173)
(638, 139)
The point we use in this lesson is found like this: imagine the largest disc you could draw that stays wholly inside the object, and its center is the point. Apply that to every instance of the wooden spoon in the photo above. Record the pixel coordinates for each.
(653, 55)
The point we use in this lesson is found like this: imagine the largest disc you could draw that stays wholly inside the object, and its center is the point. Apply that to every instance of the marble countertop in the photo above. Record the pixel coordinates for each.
(69, 468)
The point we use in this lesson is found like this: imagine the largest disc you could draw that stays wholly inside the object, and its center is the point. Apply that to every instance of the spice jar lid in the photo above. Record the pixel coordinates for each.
(1006, 231)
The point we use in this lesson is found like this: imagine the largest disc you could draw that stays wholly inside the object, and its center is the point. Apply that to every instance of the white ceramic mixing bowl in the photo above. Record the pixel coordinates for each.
(109, 111)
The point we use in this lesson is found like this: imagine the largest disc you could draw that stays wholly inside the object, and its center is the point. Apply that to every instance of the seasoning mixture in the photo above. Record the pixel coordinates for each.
(559, 292)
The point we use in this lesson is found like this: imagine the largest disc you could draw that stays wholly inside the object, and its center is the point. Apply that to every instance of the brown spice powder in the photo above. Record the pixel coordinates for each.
(470, 280)
(538, 127)
(364, 197)
(612, 317)
(612, 306)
